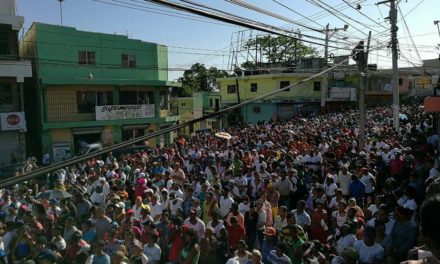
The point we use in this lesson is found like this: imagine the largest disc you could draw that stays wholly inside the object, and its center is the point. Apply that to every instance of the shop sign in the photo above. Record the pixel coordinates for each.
(12, 121)
(115, 112)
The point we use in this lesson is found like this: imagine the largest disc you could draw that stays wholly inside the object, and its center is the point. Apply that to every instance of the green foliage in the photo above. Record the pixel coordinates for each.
(278, 49)
(198, 78)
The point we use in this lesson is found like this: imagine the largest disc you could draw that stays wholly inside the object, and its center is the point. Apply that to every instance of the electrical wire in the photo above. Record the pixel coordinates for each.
(379, 24)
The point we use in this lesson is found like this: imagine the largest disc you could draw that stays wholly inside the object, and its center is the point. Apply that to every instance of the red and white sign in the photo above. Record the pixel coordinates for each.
(12, 121)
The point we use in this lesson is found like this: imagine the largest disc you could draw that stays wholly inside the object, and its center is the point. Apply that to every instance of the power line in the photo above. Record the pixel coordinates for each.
(292, 10)
(333, 12)
(238, 21)
(409, 33)
(357, 10)
(160, 13)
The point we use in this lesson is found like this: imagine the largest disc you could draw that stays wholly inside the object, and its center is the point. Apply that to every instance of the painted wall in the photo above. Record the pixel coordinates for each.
(267, 83)
(57, 48)
(267, 111)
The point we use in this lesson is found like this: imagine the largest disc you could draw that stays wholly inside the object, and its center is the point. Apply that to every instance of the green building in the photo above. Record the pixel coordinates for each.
(93, 88)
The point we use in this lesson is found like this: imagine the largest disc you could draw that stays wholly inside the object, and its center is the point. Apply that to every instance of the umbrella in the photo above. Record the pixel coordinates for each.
(223, 135)
(403, 117)
(54, 194)
(269, 144)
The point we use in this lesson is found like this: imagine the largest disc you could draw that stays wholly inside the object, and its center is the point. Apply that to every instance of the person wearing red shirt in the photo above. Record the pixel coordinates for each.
(77, 245)
(236, 233)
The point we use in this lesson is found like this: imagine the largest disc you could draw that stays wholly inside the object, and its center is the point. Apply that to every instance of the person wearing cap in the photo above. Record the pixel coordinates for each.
(369, 252)
(193, 222)
(269, 243)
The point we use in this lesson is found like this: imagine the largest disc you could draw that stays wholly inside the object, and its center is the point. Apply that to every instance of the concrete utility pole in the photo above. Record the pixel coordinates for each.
(325, 75)
(362, 60)
(61, 10)
(395, 78)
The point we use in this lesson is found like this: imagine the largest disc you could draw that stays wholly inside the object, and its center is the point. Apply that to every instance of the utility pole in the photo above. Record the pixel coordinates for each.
(61, 10)
(395, 78)
(328, 34)
(361, 57)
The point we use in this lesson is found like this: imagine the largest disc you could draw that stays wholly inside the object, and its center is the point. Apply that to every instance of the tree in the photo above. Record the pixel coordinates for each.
(198, 78)
(278, 49)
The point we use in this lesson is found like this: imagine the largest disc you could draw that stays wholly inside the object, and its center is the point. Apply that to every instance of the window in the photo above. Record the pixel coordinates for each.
(86, 102)
(232, 89)
(257, 109)
(5, 97)
(182, 104)
(211, 102)
(104, 98)
(145, 98)
(400, 81)
(285, 84)
(254, 87)
(128, 97)
(86, 57)
(217, 104)
(163, 101)
(316, 86)
(4, 43)
(128, 60)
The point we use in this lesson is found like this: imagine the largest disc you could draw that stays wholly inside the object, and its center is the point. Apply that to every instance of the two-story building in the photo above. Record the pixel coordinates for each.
(200, 104)
(13, 71)
(94, 88)
(284, 105)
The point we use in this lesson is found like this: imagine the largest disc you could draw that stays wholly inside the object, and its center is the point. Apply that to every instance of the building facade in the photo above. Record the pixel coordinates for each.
(284, 105)
(201, 104)
(93, 88)
(13, 71)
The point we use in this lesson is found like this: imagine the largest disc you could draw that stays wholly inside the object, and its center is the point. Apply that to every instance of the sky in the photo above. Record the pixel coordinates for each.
(191, 38)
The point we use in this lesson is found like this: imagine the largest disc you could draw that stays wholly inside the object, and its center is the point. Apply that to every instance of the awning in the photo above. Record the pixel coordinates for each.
(87, 130)
(432, 104)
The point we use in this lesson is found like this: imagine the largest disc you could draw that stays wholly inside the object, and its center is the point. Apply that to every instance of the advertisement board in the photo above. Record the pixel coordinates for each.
(115, 112)
(12, 121)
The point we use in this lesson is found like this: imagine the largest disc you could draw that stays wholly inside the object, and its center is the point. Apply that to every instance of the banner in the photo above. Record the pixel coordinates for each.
(13, 121)
(115, 112)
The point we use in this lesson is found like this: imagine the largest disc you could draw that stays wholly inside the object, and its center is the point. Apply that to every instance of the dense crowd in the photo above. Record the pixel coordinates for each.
(301, 191)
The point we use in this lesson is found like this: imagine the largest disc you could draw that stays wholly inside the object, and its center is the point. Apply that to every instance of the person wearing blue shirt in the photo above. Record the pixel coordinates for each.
(357, 189)
(89, 233)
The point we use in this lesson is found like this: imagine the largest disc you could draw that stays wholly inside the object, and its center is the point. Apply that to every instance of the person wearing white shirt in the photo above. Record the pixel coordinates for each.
(344, 180)
(383, 216)
(346, 240)
(156, 208)
(225, 203)
(175, 205)
(369, 252)
(193, 222)
(369, 181)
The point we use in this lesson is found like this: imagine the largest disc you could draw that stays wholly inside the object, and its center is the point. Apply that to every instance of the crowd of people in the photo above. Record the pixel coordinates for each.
(298, 191)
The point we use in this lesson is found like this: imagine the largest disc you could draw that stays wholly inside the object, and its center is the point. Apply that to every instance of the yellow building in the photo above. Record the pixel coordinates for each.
(284, 105)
